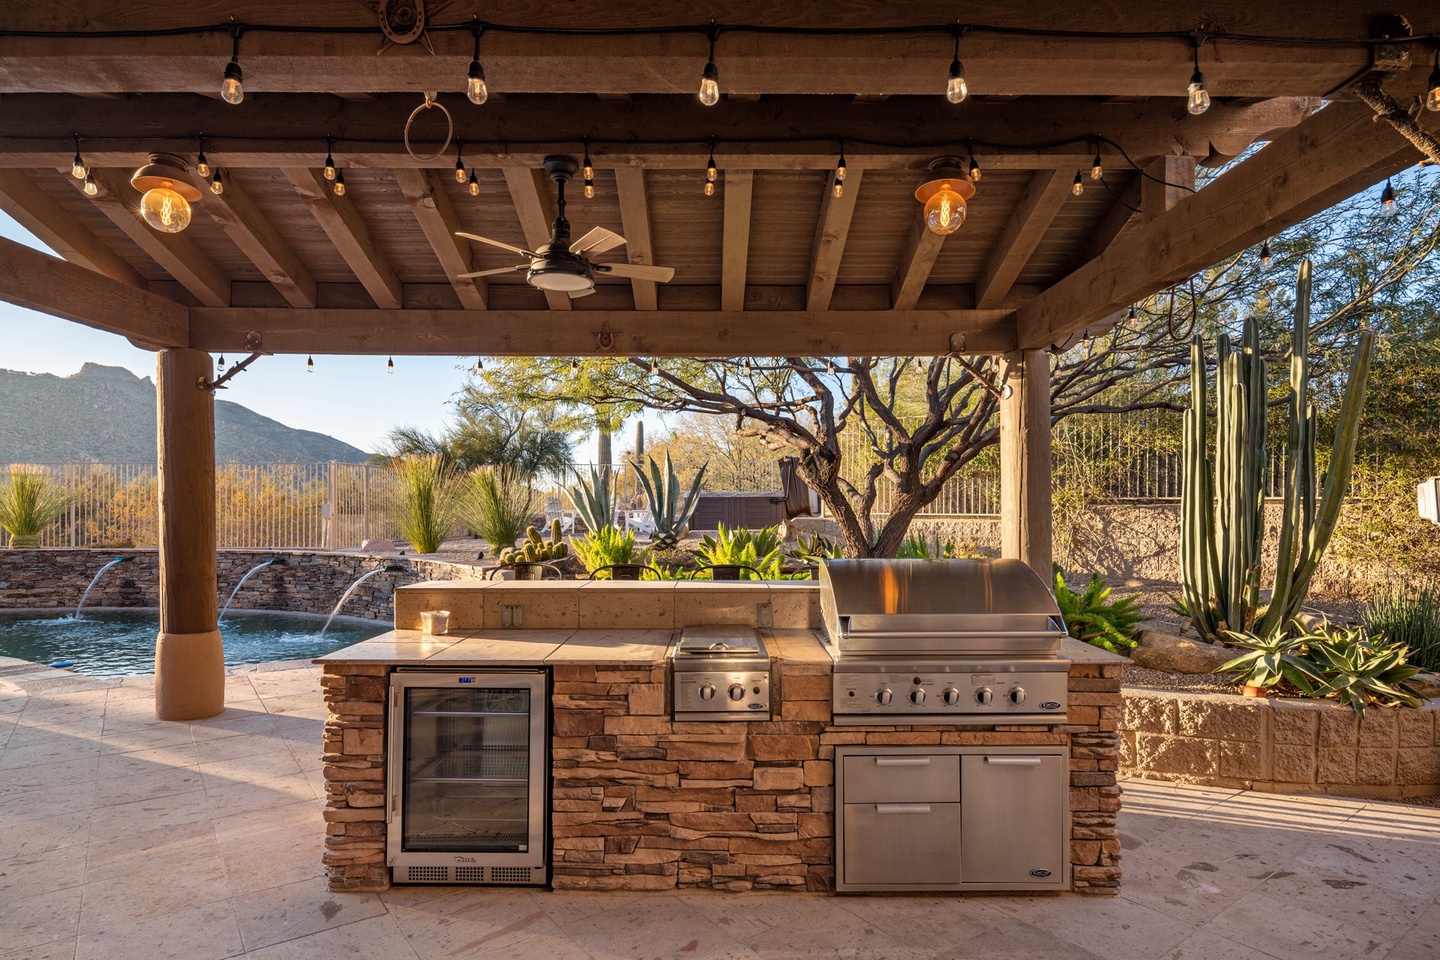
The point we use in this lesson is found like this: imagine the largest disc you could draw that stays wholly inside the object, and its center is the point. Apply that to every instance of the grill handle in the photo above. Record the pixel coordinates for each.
(902, 808)
(902, 761)
(1014, 761)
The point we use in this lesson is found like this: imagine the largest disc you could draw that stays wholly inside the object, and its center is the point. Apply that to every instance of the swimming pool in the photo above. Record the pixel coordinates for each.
(117, 643)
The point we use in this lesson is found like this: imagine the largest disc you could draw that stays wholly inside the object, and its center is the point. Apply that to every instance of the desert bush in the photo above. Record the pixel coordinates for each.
(1411, 617)
(31, 501)
(495, 507)
(427, 505)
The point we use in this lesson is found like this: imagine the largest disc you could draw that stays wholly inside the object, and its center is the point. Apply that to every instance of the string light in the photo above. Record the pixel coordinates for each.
(329, 160)
(479, 365)
(1078, 187)
(339, 186)
(710, 76)
(1265, 254)
(217, 186)
(221, 362)
(839, 185)
(710, 172)
(475, 89)
(459, 162)
(588, 170)
(956, 89)
(574, 365)
(1197, 98)
(309, 364)
(474, 185)
(1432, 86)
(91, 188)
(1387, 199)
(1097, 169)
(232, 87)
(974, 171)
(202, 166)
(1131, 316)
(830, 366)
(390, 365)
(77, 166)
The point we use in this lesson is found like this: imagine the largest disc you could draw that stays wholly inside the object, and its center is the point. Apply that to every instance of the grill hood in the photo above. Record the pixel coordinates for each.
(938, 608)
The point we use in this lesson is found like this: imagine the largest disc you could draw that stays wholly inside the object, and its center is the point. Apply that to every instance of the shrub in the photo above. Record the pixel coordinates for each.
(29, 503)
(606, 545)
(1411, 618)
(427, 503)
(498, 511)
(759, 549)
(1095, 619)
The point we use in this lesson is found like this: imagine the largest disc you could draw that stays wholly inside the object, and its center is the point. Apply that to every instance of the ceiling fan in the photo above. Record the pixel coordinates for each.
(564, 266)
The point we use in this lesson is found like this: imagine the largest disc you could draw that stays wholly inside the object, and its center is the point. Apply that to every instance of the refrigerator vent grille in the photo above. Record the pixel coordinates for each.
(469, 874)
(511, 875)
(427, 874)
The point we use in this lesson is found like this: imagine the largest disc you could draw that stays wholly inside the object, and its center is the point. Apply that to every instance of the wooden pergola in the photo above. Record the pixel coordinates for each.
(773, 263)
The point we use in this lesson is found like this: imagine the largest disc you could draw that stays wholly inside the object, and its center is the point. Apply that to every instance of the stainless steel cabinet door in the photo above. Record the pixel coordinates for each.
(1013, 829)
(900, 845)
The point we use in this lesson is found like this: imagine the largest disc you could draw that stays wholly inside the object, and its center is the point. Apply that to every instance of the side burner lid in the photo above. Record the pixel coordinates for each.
(718, 642)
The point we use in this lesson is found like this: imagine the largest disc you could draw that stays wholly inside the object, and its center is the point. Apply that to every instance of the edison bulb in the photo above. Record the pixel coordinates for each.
(589, 190)
(329, 167)
(710, 85)
(945, 211)
(1432, 94)
(1197, 98)
(217, 186)
(165, 210)
(475, 89)
(588, 170)
(474, 185)
(709, 188)
(956, 89)
(77, 168)
(839, 188)
(459, 171)
(91, 188)
(232, 89)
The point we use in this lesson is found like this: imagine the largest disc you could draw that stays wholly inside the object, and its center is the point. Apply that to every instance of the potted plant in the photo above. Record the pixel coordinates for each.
(1270, 661)
(734, 550)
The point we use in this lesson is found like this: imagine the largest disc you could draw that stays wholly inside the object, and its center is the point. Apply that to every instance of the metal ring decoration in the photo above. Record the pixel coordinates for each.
(430, 101)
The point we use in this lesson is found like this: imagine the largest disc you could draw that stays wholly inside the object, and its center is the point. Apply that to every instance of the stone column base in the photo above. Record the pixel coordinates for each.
(189, 676)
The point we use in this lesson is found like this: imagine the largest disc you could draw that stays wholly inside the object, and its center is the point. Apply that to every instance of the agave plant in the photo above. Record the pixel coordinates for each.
(813, 549)
(595, 501)
(1272, 660)
(1357, 669)
(759, 549)
(669, 511)
(1092, 617)
(29, 503)
(605, 545)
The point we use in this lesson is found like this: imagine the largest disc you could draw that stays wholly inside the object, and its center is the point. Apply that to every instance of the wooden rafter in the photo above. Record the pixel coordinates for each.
(61, 231)
(664, 333)
(1120, 218)
(425, 192)
(1327, 158)
(918, 259)
(735, 238)
(635, 224)
(257, 238)
(528, 194)
(1166, 181)
(1042, 201)
(41, 282)
(346, 229)
(831, 232)
(174, 252)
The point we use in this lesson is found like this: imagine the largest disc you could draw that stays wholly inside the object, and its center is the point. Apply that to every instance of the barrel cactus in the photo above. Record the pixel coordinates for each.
(1222, 500)
(537, 549)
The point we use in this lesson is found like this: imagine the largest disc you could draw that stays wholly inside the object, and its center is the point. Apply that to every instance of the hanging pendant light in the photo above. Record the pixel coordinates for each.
(232, 86)
(944, 192)
(475, 90)
(166, 193)
(710, 76)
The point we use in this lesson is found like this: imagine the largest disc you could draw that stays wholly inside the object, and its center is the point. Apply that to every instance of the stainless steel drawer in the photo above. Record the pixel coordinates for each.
(903, 778)
(895, 846)
(1015, 818)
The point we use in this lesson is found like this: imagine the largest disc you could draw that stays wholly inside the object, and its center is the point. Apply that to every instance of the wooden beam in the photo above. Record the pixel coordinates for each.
(655, 132)
(1032, 217)
(1121, 216)
(921, 251)
(529, 191)
(175, 252)
(425, 192)
(346, 229)
(1025, 479)
(661, 333)
(996, 63)
(735, 238)
(635, 224)
(1331, 156)
(831, 232)
(34, 209)
(29, 278)
(257, 238)
(1166, 181)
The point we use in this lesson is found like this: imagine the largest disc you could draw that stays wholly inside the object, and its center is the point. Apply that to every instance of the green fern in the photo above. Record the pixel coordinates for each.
(1092, 617)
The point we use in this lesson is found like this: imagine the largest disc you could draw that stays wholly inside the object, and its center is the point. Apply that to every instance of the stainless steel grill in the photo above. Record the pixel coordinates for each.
(720, 673)
(943, 641)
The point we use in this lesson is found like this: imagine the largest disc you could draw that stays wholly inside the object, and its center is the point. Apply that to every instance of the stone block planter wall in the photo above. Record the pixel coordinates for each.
(308, 582)
(1282, 746)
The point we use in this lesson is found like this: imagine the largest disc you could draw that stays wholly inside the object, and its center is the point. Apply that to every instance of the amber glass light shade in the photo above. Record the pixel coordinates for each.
(944, 194)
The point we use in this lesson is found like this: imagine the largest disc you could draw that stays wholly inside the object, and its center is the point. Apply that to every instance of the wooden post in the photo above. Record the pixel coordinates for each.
(189, 659)
(1025, 459)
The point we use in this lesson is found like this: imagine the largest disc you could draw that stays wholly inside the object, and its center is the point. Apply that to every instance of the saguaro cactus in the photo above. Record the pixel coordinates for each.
(1222, 500)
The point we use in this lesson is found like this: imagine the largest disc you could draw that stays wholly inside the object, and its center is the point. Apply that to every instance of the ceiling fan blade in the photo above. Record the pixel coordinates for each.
(577, 294)
(638, 271)
(494, 243)
(597, 240)
(491, 273)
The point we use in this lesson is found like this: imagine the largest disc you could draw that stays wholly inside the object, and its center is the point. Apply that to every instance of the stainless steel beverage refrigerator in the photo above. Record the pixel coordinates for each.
(468, 777)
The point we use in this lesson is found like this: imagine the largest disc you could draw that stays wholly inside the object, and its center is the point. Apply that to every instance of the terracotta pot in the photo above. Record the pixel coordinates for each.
(1246, 690)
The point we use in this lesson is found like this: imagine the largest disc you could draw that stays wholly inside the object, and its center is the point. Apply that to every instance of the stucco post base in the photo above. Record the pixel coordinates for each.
(189, 676)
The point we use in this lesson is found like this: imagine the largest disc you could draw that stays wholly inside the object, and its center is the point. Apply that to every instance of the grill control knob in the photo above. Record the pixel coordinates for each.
(883, 696)
(707, 691)
(1017, 695)
(917, 696)
(737, 692)
(983, 695)
(951, 696)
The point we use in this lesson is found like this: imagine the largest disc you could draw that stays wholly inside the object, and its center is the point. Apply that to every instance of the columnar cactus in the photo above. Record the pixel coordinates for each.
(1222, 501)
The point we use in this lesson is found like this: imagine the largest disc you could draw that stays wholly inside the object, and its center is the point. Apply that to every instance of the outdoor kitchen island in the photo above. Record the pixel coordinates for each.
(642, 801)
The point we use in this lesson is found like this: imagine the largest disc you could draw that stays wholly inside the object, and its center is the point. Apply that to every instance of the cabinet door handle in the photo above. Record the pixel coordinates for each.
(1014, 761)
(902, 808)
(902, 761)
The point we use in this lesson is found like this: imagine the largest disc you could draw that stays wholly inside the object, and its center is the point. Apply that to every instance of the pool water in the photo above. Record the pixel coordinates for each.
(117, 643)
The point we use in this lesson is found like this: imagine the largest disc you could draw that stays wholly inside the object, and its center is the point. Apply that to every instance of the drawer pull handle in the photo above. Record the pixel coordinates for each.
(902, 761)
(902, 808)
(1014, 761)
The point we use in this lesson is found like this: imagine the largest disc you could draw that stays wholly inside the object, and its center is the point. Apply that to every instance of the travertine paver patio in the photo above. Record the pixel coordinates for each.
(121, 836)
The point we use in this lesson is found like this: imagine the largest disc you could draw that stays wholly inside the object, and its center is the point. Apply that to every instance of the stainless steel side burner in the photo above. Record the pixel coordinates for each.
(720, 673)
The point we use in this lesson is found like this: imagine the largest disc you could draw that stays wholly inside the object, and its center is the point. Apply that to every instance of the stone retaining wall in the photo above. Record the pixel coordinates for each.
(307, 581)
(1281, 746)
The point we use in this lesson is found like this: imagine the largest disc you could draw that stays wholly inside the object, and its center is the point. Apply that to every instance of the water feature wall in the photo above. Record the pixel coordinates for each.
(308, 581)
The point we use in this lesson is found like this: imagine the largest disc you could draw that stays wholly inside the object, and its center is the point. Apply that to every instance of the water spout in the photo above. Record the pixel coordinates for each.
(252, 571)
(84, 596)
(388, 568)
